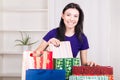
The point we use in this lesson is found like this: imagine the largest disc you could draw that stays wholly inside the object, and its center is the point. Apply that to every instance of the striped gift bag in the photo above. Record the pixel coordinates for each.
(63, 51)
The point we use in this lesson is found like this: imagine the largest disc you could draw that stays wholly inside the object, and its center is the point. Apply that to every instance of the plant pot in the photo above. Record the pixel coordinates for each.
(26, 48)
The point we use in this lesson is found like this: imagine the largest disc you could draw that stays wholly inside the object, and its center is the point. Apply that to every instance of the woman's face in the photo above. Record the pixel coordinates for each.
(70, 17)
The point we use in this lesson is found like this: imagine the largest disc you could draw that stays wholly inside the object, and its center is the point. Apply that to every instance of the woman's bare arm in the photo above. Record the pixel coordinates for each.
(83, 57)
(42, 46)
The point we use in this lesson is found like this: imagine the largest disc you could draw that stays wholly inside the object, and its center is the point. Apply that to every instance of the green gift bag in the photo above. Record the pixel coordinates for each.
(66, 64)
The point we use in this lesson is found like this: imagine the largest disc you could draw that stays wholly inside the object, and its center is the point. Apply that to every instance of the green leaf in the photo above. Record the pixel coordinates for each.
(25, 40)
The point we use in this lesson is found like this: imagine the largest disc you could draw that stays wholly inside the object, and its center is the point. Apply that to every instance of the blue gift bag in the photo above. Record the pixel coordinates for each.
(43, 74)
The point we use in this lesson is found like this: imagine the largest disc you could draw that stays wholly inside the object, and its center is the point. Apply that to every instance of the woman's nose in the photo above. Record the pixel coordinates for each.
(71, 18)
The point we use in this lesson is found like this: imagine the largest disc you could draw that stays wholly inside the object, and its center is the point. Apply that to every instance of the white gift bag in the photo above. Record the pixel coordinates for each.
(27, 63)
(63, 51)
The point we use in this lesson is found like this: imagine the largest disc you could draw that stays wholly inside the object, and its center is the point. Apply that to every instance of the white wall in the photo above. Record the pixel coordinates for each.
(115, 38)
(1, 36)
(0, 24)
(14, 63)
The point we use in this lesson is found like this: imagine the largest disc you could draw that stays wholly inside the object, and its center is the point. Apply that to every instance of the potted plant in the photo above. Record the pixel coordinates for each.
(24, 41)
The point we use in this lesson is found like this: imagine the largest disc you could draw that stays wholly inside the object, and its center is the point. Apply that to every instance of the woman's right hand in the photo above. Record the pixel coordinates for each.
(54, 41)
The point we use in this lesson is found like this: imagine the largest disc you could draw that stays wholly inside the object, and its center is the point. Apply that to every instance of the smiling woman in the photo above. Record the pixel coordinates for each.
(70, 29)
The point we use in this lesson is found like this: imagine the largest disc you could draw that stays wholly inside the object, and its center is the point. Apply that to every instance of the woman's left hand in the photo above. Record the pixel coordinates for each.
(90, 63)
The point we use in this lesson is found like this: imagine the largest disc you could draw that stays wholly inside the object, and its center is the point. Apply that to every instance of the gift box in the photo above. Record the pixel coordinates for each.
(44, 74)
(66, 64)
(75, 77)
(94, 70)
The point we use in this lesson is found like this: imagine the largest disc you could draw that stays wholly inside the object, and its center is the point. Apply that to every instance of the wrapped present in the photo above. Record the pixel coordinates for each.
(44, 74)
(75, 77)
(95, 70)
(66, 64)
(110, 77)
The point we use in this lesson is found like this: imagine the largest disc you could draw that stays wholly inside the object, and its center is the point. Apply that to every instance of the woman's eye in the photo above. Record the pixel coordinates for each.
(68, 14)
(75, 16)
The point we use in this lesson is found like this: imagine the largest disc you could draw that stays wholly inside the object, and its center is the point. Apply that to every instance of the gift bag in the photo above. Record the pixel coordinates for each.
(62, 51)
(45, 61)
(44, 74)
(66, 64)
(26, 64)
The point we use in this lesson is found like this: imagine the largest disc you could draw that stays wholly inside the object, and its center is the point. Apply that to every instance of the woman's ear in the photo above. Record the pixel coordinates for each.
(62, 16)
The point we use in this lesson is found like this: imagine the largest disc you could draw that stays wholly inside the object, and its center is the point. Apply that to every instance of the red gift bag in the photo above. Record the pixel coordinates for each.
(44, 61)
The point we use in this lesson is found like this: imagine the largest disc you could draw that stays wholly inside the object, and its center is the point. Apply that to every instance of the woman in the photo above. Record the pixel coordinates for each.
(70, 29)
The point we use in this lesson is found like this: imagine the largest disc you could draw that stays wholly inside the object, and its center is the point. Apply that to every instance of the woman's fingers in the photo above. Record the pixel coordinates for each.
(91, 64)
(54, 41)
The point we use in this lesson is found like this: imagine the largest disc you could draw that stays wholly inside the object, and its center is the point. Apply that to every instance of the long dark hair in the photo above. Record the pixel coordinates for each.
(78, 28)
